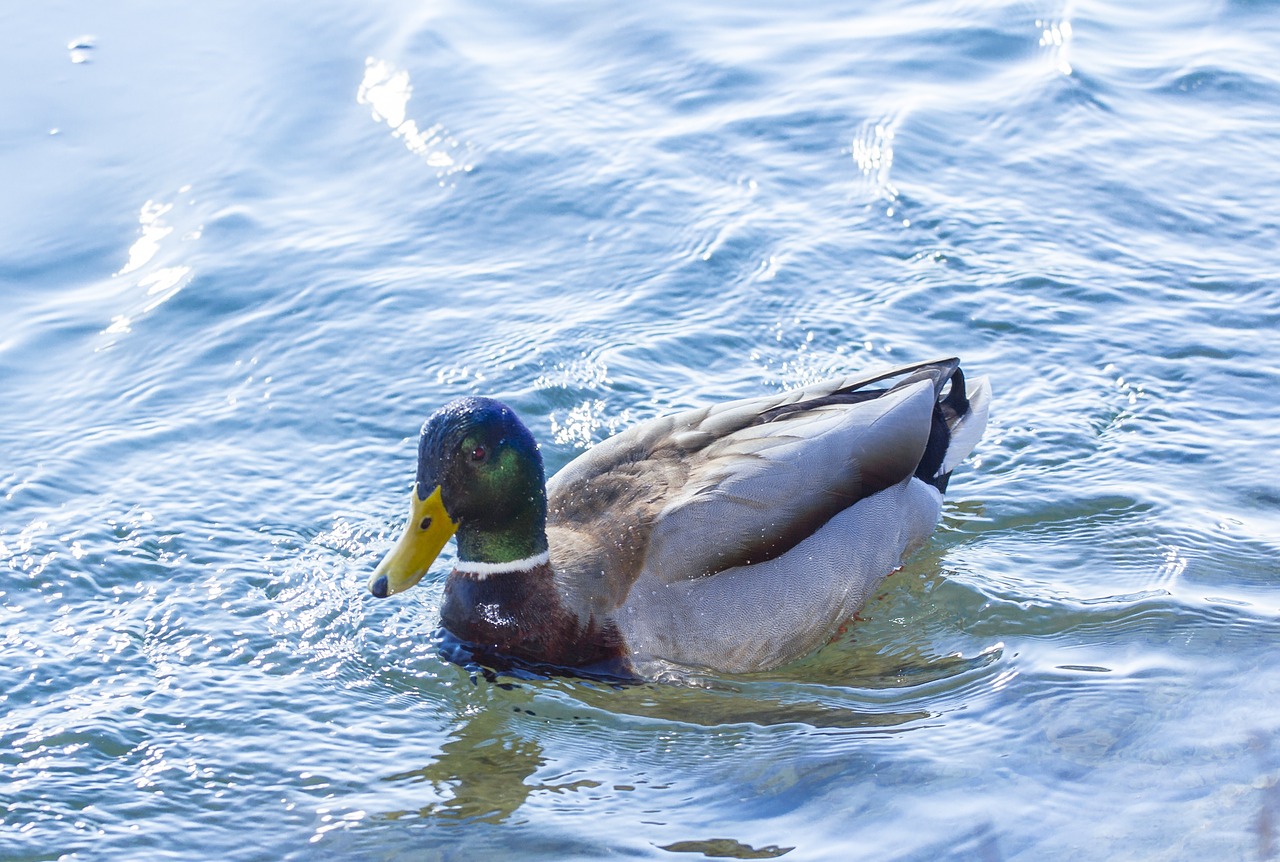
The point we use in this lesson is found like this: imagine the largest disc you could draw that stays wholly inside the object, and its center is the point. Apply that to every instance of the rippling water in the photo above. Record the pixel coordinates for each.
(245, 249)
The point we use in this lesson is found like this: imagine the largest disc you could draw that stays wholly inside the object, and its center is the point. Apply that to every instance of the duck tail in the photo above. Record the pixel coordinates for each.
(959, 419)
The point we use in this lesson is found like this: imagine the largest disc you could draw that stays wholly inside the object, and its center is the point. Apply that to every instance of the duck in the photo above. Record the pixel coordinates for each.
(728, 539)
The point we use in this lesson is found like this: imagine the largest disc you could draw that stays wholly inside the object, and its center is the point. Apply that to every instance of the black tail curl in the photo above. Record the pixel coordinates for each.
(949, 409)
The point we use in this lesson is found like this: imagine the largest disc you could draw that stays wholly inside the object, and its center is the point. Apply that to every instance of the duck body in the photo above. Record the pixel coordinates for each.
(732, 538)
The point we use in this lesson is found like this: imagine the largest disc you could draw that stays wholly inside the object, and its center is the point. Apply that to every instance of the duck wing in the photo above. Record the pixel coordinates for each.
(690, 495)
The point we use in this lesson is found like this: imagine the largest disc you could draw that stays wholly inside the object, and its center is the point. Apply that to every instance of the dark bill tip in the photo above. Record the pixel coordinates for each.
(379, 587)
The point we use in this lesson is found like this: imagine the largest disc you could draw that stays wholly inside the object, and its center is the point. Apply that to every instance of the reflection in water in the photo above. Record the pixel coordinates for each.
(148, 242)
(482, 771)
(161, 283)
(386, 90)
(872, 151)
(1055, 37)
(885, 695)
(727, 848)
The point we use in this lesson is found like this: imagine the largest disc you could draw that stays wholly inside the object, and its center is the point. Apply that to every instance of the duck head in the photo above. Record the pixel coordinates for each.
(480, 476)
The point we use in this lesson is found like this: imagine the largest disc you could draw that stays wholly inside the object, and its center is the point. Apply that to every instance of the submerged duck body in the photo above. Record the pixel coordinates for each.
(733, 538)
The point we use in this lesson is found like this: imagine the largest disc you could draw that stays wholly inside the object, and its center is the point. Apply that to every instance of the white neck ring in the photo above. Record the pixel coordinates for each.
(484, 570)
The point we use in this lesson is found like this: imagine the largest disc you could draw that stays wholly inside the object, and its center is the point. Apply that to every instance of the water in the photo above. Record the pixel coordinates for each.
(244, 250)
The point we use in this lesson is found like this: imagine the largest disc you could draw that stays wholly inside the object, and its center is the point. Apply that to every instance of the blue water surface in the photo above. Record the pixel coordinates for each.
(246, 248)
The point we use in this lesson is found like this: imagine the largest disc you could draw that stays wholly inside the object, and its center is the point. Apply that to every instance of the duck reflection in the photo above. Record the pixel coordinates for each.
(483, 770)
(486, 769)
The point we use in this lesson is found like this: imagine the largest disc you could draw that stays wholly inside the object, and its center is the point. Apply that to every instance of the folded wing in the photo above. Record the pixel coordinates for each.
(700, 492)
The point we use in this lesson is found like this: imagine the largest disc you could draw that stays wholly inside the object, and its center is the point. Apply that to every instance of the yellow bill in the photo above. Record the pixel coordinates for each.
(428, 529)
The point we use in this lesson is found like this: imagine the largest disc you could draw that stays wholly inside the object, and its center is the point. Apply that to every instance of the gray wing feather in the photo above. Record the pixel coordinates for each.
(685, 496)
(758, 492)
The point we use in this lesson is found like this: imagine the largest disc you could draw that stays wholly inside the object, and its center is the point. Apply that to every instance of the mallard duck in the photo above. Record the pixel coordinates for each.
(732, 538)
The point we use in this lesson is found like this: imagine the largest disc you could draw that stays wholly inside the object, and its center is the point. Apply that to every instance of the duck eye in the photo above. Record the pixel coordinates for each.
(478, 453)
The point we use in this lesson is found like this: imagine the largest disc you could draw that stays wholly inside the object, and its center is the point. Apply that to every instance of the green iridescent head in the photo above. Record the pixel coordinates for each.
(479, 474)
